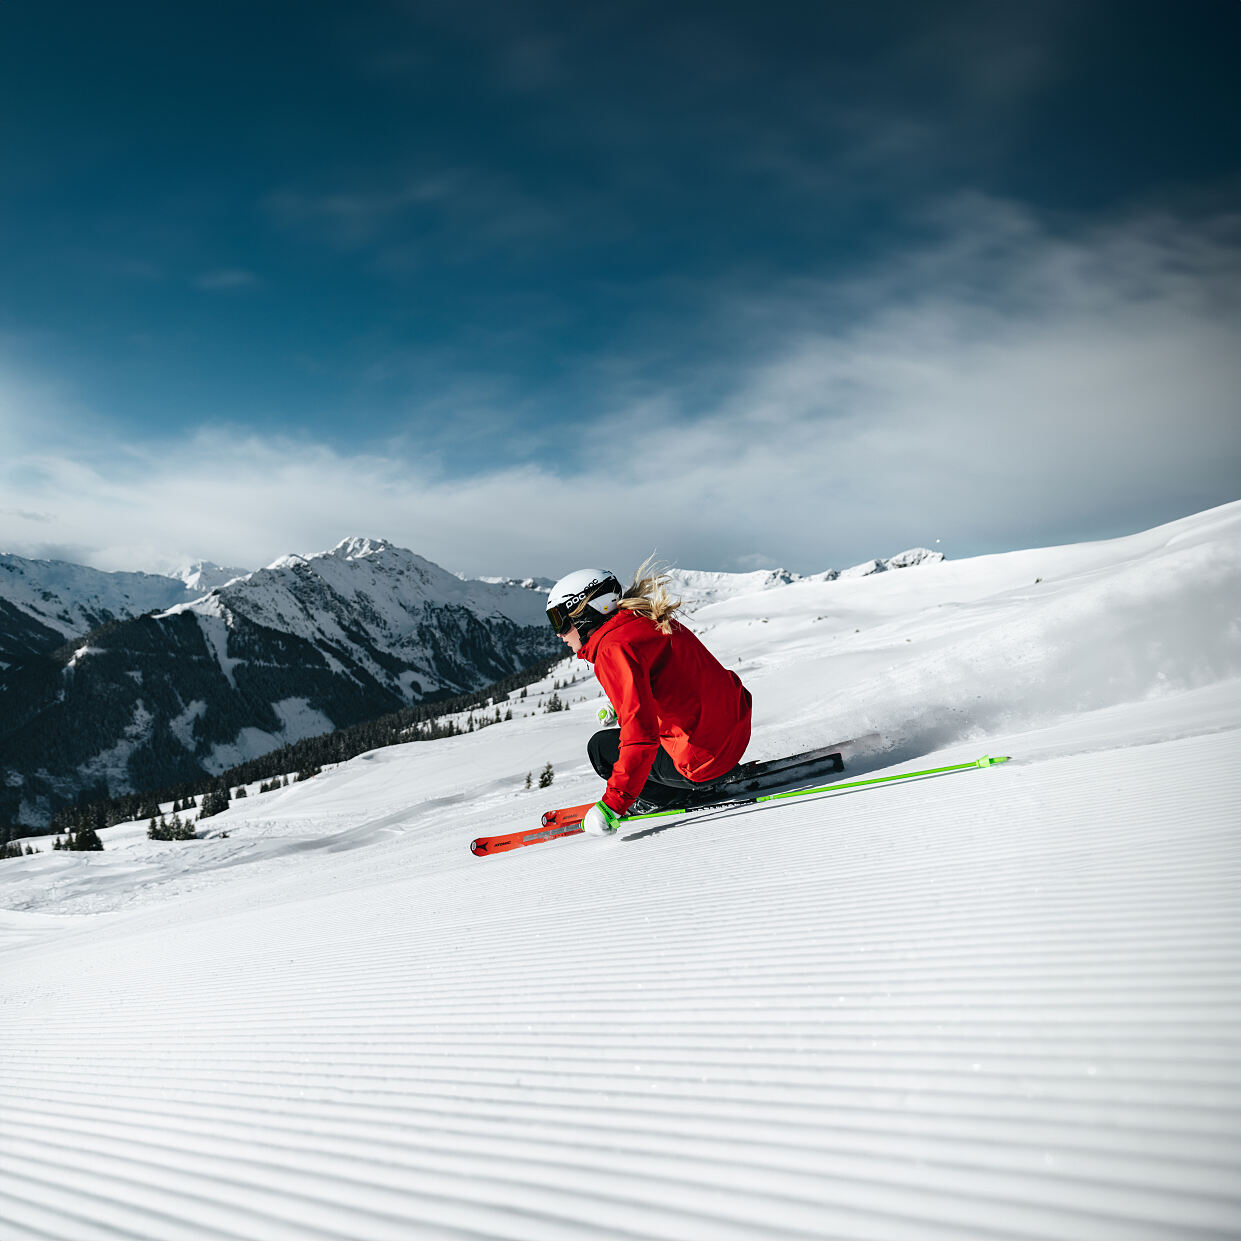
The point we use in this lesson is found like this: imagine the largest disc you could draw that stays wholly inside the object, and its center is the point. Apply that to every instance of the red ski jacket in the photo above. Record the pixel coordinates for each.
(669, 690)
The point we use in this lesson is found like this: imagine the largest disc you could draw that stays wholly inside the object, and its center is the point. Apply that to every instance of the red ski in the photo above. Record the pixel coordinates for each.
(484, 846)
(567, 821)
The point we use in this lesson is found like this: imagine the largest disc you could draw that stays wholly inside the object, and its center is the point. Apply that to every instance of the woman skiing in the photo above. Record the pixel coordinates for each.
(684, 718)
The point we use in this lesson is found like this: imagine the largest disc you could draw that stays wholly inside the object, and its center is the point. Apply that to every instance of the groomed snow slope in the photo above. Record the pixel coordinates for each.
(997, 1003)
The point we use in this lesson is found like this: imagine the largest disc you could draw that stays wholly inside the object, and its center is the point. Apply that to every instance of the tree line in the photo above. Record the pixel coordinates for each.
(428, 721)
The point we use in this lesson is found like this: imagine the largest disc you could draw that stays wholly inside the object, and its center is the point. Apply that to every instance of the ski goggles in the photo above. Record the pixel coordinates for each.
(560, 615)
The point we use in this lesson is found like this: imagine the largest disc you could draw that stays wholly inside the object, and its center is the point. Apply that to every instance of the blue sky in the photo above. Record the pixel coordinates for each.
(527, 286)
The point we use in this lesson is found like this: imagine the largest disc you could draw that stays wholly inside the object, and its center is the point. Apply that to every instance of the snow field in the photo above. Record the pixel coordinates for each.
(997, 1003)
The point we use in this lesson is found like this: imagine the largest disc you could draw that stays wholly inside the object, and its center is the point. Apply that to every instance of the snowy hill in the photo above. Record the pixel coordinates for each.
(992, 1004)
(309, 644)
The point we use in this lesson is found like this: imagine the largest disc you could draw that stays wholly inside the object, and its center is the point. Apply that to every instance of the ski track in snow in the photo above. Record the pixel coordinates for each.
(998, 1003)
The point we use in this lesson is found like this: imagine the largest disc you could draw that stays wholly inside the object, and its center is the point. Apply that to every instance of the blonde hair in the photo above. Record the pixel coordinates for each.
(648, 595)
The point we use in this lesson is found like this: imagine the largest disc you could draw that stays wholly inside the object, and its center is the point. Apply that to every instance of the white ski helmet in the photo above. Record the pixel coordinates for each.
(593, 594)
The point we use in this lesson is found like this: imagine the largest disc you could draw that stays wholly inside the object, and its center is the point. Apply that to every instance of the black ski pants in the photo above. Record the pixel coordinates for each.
(663, 786)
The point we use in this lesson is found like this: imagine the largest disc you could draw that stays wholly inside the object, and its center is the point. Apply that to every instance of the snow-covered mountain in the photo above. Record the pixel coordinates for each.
(204, 575)
(697, 588)
(45, 602)
(384, 584)
(998, 1003)
(409, 625)
(541, 584)
(306, 645)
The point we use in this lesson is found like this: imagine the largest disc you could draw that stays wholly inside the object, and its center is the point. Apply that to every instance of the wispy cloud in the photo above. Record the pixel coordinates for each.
(25, 515)
(352, 214)
(1006, 386)
(407, 218)
(226, 279)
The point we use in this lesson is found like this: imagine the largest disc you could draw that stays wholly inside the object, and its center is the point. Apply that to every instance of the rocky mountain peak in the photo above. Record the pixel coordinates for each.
(357, 547)
(203, 575)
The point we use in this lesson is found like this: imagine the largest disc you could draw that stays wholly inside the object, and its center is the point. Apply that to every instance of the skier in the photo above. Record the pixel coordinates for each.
(684, 718)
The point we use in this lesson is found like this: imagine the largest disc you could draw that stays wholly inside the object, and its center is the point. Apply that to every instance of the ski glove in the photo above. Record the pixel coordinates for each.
(606, 716)
(601, 820)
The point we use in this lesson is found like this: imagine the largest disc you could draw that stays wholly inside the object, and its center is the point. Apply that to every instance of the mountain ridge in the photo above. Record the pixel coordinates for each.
(304, 646)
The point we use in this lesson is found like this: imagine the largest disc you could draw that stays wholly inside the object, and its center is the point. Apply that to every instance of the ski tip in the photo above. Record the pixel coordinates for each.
(988, 761)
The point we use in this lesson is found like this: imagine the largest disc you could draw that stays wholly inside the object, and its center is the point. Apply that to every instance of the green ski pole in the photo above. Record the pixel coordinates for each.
(985, 761)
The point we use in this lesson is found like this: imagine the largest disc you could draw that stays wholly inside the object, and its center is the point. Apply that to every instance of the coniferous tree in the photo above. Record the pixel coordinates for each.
(85, 841)
(214, 802)
(174, 829)
(546, 776)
